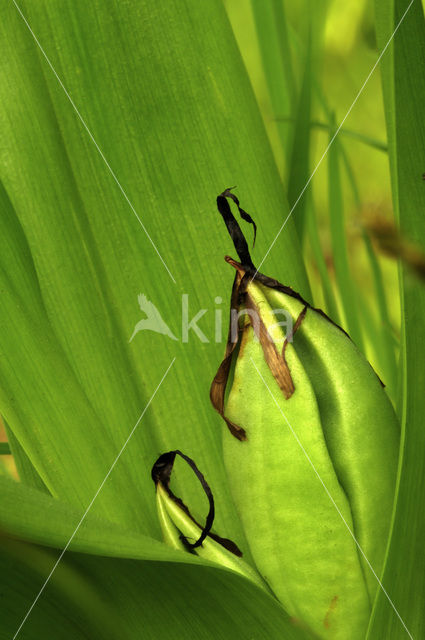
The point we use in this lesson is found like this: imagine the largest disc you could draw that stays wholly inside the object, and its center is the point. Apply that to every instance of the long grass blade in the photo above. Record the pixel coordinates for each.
(271, 28)
(299, 158)
(404, 85)
(325, 279)
(346, 287)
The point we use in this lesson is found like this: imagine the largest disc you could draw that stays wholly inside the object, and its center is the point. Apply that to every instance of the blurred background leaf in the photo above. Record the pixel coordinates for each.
(333, 43)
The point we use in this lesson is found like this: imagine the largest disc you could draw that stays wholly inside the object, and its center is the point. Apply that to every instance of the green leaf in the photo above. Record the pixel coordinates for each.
(33, 516)
(339, 243)
(163, 95)
(272, 33)
(404, 84)
(99, 598)
(132, 582)
(299, 164)
(316, 246)
(70, 606)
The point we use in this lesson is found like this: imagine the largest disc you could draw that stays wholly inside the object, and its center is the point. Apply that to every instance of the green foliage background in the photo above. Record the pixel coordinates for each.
(184, 99)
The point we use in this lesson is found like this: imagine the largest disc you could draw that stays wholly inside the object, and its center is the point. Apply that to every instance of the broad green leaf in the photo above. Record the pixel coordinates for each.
(404, 84)
(31, 515)
(70, 607)
(52, 391)
(117, 598)
(164, 95)
(96, 598)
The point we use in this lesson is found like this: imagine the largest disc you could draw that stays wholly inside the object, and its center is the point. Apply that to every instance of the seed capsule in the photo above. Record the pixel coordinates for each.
(311, 453)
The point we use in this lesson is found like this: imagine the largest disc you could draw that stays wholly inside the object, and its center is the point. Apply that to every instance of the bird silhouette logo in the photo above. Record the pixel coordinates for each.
(153, 320)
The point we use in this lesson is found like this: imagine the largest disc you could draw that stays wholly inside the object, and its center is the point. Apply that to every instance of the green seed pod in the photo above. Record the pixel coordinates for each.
(180, 529)
(311, 452)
